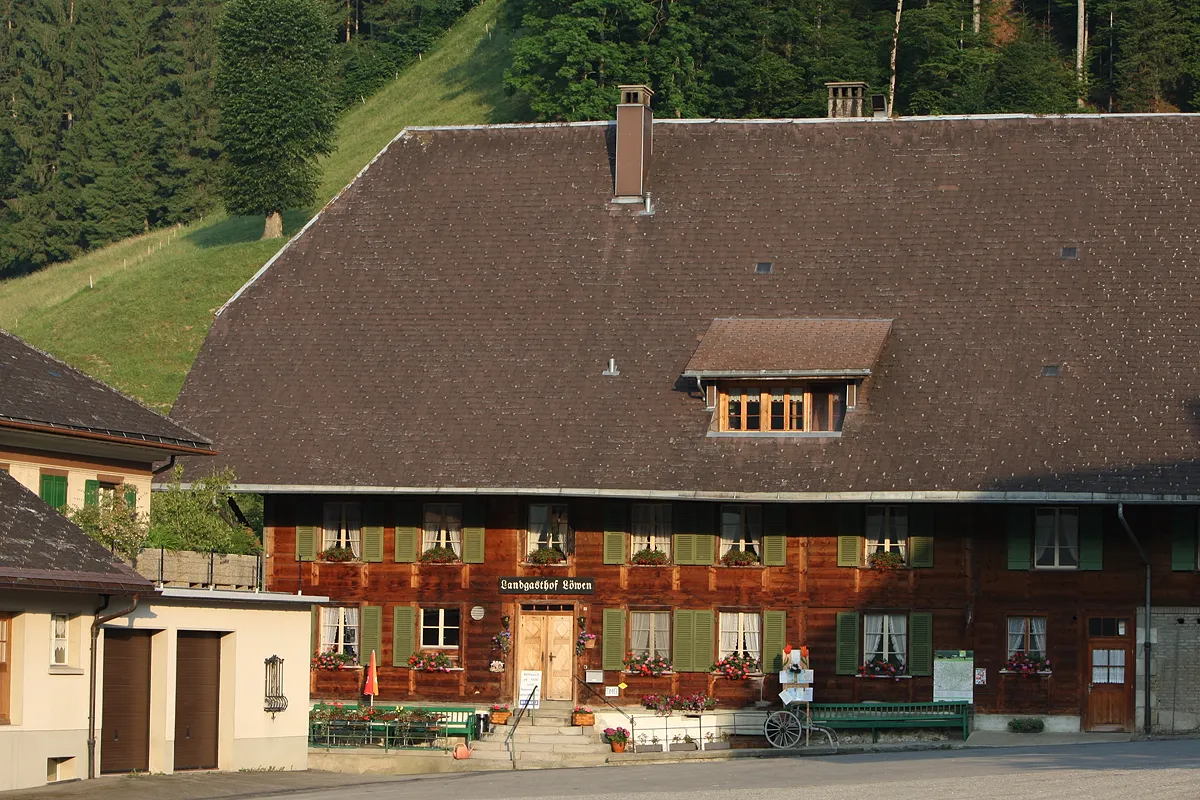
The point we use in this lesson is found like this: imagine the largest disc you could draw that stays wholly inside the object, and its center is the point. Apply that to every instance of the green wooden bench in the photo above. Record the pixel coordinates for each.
(458, 721)
(893, 715)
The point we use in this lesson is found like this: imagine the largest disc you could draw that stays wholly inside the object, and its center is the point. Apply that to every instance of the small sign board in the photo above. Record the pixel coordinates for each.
(954, 676)
(612, 691)
(796, 676)
(981, 676)
(593, 676)
(542, 585)
(531, 679)
(796, 694)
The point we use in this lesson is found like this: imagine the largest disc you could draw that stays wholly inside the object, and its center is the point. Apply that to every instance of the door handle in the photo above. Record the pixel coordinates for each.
(187, 733)
(116, 735)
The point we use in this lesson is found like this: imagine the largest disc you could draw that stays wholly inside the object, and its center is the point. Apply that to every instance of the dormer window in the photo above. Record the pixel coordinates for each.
(812, 408)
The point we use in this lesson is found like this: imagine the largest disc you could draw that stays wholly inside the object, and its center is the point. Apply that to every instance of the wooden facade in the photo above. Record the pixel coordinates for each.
(969, 591)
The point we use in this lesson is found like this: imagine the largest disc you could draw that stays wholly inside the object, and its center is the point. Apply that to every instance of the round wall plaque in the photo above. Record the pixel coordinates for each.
(477, 613)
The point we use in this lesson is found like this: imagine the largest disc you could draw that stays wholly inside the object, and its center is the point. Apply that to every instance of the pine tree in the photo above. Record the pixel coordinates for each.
(277, 114)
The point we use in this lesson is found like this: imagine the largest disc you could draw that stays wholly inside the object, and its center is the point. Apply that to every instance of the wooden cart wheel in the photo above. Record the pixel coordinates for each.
(782, 729)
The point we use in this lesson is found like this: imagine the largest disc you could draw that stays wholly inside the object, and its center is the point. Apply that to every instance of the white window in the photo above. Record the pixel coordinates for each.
(741, 633)
(548, 527)
(886, 638)
(339, 630)
(343, 527)
(443, 527)
(1056, 538)
(741, 528)
(650, 633)
(887, 530)
(652, 527)
(1027, 635)
(60, 635)
(439, 627)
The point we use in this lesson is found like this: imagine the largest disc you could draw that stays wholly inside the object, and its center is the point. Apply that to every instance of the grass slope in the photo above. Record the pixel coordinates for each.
(134, 314)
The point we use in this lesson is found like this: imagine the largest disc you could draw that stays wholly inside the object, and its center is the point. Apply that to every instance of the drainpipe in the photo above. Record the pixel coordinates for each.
(169, 465)
(99, 620)
(1146, 639)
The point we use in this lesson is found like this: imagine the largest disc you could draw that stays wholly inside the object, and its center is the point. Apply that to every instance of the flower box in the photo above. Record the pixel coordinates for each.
(583, 719)
(677, 746)
(716, 745)
(500, 717)
(647, 748)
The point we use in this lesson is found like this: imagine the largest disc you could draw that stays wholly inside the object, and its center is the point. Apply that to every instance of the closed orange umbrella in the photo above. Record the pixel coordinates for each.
(371, 688)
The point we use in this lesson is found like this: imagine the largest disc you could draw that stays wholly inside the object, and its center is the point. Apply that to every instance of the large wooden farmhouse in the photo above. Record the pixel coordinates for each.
(706, 388)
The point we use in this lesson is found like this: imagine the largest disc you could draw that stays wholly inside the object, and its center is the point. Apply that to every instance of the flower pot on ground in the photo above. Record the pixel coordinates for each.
(617, 737)
(618, 747)
(716, 745)
(499, 713)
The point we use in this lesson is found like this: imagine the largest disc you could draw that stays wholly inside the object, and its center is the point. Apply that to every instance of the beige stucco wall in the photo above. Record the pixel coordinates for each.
(50, 705)
(26, 467)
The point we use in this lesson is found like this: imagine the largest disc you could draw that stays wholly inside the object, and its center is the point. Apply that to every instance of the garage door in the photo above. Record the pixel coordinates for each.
(125, 729)
(197, 696)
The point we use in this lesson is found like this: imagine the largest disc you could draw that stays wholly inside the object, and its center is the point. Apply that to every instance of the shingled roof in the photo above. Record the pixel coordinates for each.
(41, 549)
(777, 348)
(444, 323)
(40, 393)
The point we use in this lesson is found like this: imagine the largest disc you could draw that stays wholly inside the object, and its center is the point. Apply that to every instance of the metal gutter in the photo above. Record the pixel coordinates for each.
(777, 373)
(108, 435)
(97, 621)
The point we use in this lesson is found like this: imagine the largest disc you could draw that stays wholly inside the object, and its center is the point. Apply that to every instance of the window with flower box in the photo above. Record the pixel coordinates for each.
(884, 643)
(342, 530)
(741, 531)
(549, 528)
(651, 528)
(650, 633)
(1027, 635)
(741, 634)
(887, 531)
(442, 531)
(340, 630)
(440, 628)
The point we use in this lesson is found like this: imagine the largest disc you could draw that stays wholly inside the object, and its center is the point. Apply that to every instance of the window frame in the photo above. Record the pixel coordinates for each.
(445, 535)
(441, 627)
(659, 532)
(65, 639)
(557, 528)
(884, 542)
(797, 415)
(748, 540)
(341, 645)
(344, 536)
(651, 630)
(6, 662)
(741, 633)
(886, 637)
(1027, 636)
(1058, 544)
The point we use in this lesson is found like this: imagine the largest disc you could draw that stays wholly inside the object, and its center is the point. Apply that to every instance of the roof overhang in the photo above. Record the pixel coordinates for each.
(36, 435)
(763, 349)
(65, 581)
(775, 374)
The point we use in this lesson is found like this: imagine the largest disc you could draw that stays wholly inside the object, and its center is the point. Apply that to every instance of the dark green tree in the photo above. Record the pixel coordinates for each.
(1031, 76)
(277, 111)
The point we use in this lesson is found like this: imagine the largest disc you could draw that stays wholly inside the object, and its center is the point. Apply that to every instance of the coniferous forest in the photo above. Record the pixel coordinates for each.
(110, 116)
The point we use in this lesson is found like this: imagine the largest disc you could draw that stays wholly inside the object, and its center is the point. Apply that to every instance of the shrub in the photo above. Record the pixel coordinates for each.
(1027, 725)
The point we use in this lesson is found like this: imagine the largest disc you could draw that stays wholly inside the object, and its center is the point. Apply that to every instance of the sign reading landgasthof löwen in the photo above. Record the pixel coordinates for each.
(541, 585)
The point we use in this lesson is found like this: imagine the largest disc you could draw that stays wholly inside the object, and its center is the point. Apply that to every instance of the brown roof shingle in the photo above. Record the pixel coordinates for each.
(784, 348)
(445, 322)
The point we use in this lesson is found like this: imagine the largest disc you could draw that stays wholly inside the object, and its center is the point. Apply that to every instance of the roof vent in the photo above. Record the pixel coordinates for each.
(847, 98)
(764, 268)
(611, 371)
(1069, 252)
(879, 107)
(1051, 371)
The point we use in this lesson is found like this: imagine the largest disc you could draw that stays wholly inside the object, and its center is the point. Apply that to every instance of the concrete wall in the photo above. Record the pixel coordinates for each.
(49, 703)
(26, 467)
(1174, 669)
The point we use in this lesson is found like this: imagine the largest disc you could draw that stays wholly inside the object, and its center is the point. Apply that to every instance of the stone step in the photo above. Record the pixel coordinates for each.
(523, 734)
(489, 755)
(576, 760)
(549, 721)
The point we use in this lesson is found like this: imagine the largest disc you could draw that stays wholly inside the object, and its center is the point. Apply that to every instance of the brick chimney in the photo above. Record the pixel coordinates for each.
(847, 99)
(634, 136)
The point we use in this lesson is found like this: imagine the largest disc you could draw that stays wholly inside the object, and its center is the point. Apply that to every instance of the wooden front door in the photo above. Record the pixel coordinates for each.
(197, 696)
(125, 729)
(546, 642)
(1109, 680)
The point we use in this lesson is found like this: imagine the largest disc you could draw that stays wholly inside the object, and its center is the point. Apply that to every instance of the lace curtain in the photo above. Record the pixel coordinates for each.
(443, 527)
(741, 633)
(343, 527)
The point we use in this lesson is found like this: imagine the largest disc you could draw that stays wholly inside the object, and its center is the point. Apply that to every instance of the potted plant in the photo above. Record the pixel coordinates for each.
(1027, 663)
(737, 666)
(879, 667)
(439, 555)
(646, 664)
(546, 555)
(617, 737)
(660, 704)
(648, 557)
(714, 742)
(502, 641)
(583, 716)
(499, 713)
(336, 554)
(885, 560)
(430, 661)
(682, 742)
(586, 641)
(739, 558)
(331, 660)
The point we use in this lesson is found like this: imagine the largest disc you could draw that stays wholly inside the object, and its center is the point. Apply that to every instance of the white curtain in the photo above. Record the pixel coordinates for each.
(1016, 634)
(730, 635)
(642, 525)
(350, 631)
(898, 638)
(539, 527)
(639, 632)
(1100, 666)
(1116, 666)
(1037, 635)
(331, 619)
(752, 629)
(873, 642)
(1043, 540)
(333, 525)
(753, 533)
(662, 634)
(443, 527)
(731, 527)
(353, 530)
(1068, 526)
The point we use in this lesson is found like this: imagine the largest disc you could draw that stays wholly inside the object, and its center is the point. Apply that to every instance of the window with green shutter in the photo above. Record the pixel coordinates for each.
(404, 636)
(91, 493)
(306, 542)
(920, 536)
(695, 542)
(371, 634)
(54, 490)
(774, 637)
(1091, 538)
(850, 535)
(408, 532)
(372, 532)
(614, 533)
(1020, 537)
(1183, 538)
(774, 540)
(612, 639)
(131, 498)
(693, 640)
(920, 643)
(474, 533)
(846, 660)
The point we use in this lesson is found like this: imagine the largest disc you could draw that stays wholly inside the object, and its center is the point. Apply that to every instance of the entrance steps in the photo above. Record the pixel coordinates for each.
(544, 739)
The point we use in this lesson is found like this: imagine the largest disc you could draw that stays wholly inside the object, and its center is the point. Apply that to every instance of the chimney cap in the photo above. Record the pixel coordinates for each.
(635, 94)
(840, 84)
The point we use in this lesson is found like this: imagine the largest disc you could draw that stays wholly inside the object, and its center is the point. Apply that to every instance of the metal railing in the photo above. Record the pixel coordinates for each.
(516, 720)
(603, 699)
(385, 735)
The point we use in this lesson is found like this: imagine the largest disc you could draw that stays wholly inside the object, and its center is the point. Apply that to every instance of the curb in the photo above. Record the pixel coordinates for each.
(639, 759)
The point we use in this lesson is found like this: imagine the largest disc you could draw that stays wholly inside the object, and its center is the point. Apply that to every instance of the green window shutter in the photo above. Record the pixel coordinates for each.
(920, 535)
(847, 643)
(613, 639)
(1091, 538)
(1020, 537)
(1183, 538)
(614, 533)
(54, 490)
(774, 637)
(684, 548)
(408, 537)
(91, 493)
(131, 497)
(404, 636)
(850, 535)
(314, 630)
(683, 640)
(474, 533)
(370, 634)
(704, 640)
(372, 533)
(920, 551)
(306, 542)
(920, 643)
(774, 543)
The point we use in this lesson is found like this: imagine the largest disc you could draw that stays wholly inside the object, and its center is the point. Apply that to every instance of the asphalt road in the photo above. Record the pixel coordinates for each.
(1128, 771)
